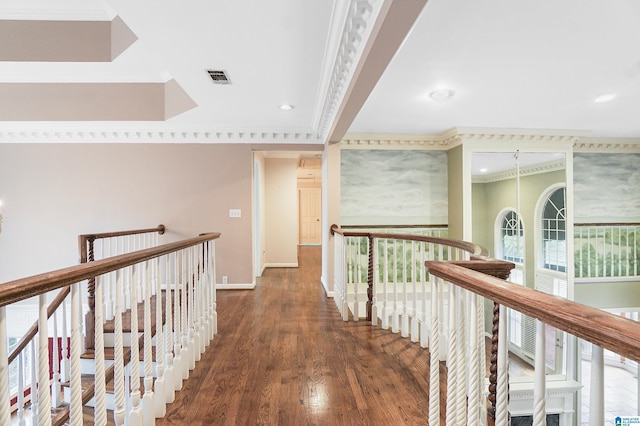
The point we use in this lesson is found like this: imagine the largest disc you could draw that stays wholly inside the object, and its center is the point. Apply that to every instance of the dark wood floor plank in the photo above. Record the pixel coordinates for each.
(283, 356)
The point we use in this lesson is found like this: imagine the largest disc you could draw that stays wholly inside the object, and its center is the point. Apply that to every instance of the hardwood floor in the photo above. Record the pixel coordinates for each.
(283, 356)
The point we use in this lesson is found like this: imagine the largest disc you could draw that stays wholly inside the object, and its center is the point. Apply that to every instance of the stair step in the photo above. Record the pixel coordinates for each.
(109, 354)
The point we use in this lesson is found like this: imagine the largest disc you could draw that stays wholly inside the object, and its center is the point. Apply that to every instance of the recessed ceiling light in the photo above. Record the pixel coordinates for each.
(286, 107)
(605, 98)
(441, 94)
(484, 170)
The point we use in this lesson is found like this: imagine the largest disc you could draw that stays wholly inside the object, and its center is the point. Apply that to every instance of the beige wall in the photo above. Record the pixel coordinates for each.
(281, 212)
(53, 192)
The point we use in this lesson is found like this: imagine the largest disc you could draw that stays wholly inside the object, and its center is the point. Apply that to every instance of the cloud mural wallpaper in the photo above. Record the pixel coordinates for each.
(386, 187)
(606, 187)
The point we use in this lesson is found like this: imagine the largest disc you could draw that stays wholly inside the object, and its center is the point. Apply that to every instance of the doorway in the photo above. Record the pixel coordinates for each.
(310, 212)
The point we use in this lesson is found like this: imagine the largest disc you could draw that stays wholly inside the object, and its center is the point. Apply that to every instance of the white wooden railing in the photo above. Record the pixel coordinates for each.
(177, 279)
(442, 307)
(607, 250)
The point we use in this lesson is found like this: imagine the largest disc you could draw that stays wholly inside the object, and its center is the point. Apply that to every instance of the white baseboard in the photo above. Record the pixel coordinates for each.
(235, 286)
(326, 289)
(281, 265)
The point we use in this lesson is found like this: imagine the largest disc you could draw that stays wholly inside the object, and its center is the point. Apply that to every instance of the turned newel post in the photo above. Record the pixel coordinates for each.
(498, 269)
(90, 318)
(370, 279)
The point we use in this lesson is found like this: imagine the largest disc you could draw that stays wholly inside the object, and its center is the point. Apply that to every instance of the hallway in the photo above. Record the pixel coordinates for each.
(283, 356)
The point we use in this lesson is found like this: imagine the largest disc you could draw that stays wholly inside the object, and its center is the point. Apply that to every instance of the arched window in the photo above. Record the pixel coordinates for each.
(554, 234)
(511, 237)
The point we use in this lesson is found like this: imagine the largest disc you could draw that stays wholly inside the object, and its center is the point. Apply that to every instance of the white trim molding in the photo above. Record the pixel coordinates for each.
(235, 286)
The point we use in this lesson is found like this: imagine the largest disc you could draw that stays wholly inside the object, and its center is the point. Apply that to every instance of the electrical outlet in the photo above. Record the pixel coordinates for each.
(235, 213)
(225, 279)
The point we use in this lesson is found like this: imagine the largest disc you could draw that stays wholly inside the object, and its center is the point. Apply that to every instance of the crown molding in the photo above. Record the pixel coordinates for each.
(610, 145)
(455, 137)
(358, 25)
(551, 166)
(155, 136)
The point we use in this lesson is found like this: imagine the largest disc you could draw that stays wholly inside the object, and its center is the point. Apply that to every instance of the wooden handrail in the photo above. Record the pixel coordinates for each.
(83, 238)
(476, 251)
(24, 288)
(33, 330)
(618, 334)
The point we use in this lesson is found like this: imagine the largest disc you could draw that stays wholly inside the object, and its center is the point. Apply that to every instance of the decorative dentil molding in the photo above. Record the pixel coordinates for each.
(358, 26)
(456, 136)
(550, 166)
(155, 136)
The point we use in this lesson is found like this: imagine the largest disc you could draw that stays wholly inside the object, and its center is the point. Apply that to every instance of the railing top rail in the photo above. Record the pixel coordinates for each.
(474, 249)
(618, 334)
(438, 226)
(608, 224)
(159, 229)
(24, 288)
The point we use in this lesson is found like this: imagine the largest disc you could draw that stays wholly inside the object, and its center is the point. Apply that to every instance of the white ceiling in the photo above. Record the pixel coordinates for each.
(531, 64)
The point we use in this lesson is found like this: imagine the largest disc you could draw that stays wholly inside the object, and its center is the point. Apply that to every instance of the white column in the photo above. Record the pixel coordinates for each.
(540, 383)
(596, 391)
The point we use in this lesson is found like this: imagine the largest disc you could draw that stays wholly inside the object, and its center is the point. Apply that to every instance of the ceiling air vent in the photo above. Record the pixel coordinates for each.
(219, 77)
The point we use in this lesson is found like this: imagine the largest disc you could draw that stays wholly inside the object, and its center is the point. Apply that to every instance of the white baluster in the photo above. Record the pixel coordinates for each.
(434, 354)
(452, 360)
(135, 414)
(35, 403)
(214, 317)
(206, 293)
(395, 314)
(119, 389)
(21, 421)
(342, 261)
(159, 387)
(44, 384)
(385, 280)
(404, 329)
(184, 297)
(170, 387)
(195, 321)
(148, 403)
(193, 347)
(481, 365)
(56, 390)
(355, 255)
(461, 378)
(596, 392)
(539, 384)
(5, 408)
(502, 388)
(66, 351)
(100, 409)
(75, 410)
(473, 410)
(424, 325)
(177, 324)
(414, 318)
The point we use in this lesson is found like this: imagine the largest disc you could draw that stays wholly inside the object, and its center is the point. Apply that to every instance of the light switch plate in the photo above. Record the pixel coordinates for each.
(235, 213)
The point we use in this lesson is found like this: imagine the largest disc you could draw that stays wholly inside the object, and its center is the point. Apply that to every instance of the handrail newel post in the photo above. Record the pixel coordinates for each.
(370, 272)
(90, 316)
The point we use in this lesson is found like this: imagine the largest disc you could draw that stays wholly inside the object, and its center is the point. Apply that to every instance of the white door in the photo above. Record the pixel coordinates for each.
(310, 215)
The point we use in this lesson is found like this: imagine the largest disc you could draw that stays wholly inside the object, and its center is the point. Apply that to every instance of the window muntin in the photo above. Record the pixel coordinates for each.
(512, 237)
(554, 233)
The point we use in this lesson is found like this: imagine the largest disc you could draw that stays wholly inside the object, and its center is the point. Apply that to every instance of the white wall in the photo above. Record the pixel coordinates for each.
(53, 192)
(281, 212)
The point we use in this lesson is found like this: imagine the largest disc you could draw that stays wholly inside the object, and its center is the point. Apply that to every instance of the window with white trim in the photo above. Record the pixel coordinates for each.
(554, 232)
(512, 237)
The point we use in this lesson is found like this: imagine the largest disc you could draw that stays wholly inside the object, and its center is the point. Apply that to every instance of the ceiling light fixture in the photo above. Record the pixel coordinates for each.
(605, 98)
(441, 94)
(286, 107)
